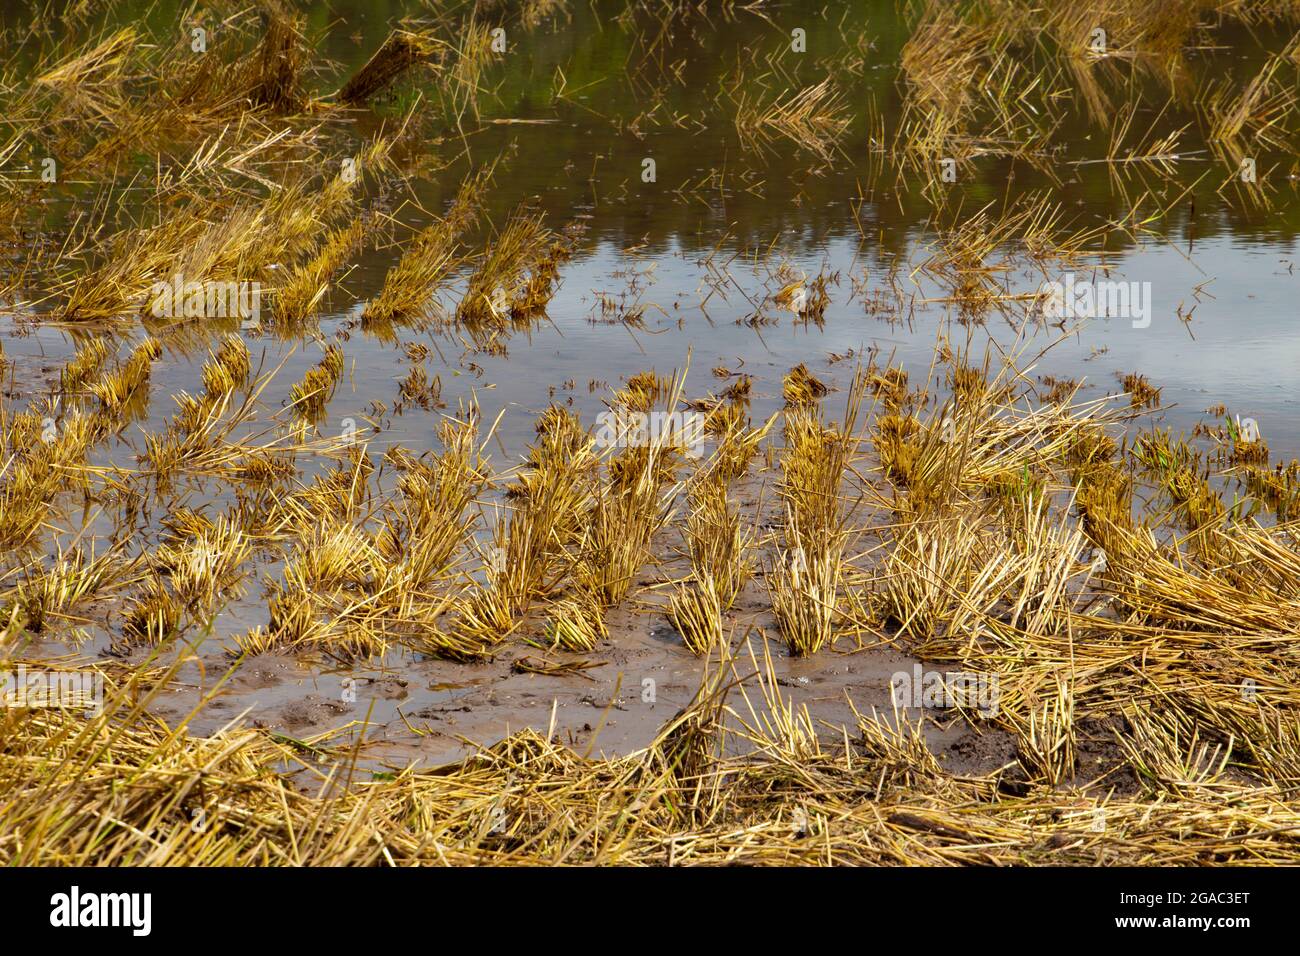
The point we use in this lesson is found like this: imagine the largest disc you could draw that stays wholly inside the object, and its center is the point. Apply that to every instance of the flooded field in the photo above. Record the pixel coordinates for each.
(643, 432)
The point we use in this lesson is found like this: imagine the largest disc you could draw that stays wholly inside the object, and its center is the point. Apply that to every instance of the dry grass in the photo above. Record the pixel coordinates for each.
(429, 259)
(401, 51)
(719, 546)
(1109, 590)
(814, 118)
(309, 397)
(696, 611)
(990, 576)
(526, 800)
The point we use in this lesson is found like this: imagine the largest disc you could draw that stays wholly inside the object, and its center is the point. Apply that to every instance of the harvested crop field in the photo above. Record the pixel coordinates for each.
(647, 433)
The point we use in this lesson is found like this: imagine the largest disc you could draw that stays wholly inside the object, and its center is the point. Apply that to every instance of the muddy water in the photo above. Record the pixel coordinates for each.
(697, 250)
